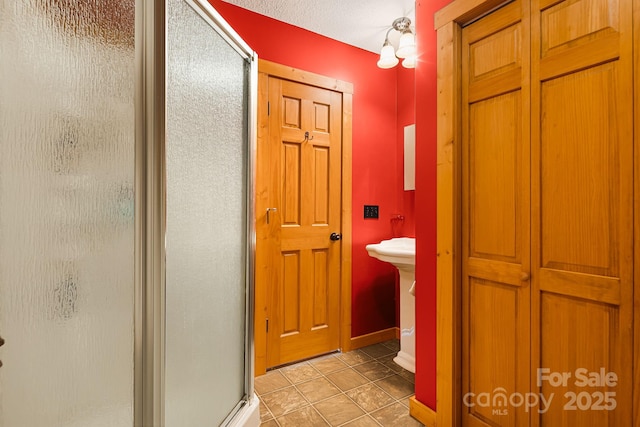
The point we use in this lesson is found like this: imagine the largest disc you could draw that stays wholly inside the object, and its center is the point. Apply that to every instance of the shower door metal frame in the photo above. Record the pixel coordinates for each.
(150, 205)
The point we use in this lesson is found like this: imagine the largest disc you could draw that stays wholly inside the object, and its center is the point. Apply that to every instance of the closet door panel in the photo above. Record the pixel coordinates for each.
(582, 217)
(580, 162)
(570, 23)
(495, 203)
(577, 340)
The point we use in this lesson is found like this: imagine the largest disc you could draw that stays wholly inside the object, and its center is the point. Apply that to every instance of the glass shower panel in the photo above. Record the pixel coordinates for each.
(67, 131)
(206, 221)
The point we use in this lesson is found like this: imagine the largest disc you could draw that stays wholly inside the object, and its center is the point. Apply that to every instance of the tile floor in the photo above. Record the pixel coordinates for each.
(361, 388)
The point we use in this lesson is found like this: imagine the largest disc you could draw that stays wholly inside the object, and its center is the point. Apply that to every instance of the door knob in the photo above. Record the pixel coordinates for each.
(1, 344)
(335, 236)
(524, 276)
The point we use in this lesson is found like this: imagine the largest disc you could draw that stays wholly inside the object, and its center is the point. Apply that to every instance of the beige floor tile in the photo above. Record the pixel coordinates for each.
(271, 381)
(317, 389)
(406, 401)
(396, 386)
(370, 397)
(269, 423)
(365, 421)
(265, 413)
(408, 376)
(395, 415)
(374, 370)
(328, 364)
(307, 417)
(388, 362)
(377, 350)
(361, 388)
(347, 379)
(393, 345)
(354, 357)
(300, 372)
(283, 401)
(339, 410)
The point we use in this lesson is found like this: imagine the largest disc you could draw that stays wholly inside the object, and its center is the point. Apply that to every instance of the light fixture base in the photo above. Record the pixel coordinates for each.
(401, 24)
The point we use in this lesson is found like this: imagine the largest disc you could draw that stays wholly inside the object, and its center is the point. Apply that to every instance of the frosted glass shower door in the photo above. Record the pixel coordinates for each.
(207, 239)
(67, 136)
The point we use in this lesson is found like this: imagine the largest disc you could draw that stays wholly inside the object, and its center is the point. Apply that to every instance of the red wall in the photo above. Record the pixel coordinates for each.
(425, 208)
(377, 161)
(406, 116)
(406, 199)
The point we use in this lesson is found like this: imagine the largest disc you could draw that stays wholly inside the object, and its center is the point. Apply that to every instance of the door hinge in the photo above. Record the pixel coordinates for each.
(268, 108)
(267, 325)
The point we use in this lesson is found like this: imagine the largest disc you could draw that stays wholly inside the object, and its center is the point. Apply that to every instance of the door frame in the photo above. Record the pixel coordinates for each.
(448, 24)
(268, 69)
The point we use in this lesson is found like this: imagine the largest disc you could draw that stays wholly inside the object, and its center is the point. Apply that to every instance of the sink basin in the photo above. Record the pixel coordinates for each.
(400, 251)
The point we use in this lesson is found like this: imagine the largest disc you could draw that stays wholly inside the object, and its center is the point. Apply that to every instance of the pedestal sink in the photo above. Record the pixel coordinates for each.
(401, 252)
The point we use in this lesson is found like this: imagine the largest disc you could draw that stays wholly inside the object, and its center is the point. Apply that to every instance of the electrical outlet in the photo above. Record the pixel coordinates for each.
(371, 211)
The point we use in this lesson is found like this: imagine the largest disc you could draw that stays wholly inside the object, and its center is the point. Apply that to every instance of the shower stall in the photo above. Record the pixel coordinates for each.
(126, 195)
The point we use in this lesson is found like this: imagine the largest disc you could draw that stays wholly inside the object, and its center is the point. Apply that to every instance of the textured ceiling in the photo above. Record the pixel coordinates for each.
(361, 23)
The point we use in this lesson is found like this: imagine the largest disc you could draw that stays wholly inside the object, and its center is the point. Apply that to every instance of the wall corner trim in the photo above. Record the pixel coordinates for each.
(374, 338)
(422, 412)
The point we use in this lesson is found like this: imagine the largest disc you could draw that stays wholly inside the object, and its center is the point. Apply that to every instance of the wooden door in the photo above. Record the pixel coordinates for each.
(558, 196)
(303, 281)
(582, 197)
(495, 217)
(582, 221)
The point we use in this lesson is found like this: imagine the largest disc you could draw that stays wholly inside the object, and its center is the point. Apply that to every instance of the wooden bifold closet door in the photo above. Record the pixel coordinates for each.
(496, 290)
(547, 171)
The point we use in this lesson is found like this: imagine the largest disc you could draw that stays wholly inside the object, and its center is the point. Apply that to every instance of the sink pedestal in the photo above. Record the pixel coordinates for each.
(401, 252)
(407, 355)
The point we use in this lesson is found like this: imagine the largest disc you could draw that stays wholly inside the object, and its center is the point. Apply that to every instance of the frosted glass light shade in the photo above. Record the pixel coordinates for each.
(407, 45)
(387, 57)
(409, 62)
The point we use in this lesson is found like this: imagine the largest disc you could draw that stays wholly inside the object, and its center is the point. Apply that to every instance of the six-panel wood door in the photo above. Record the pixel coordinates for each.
(547, 214)
(303, 296)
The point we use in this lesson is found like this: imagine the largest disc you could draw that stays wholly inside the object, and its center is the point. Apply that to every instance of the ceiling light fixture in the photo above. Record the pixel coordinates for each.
(406, 47)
